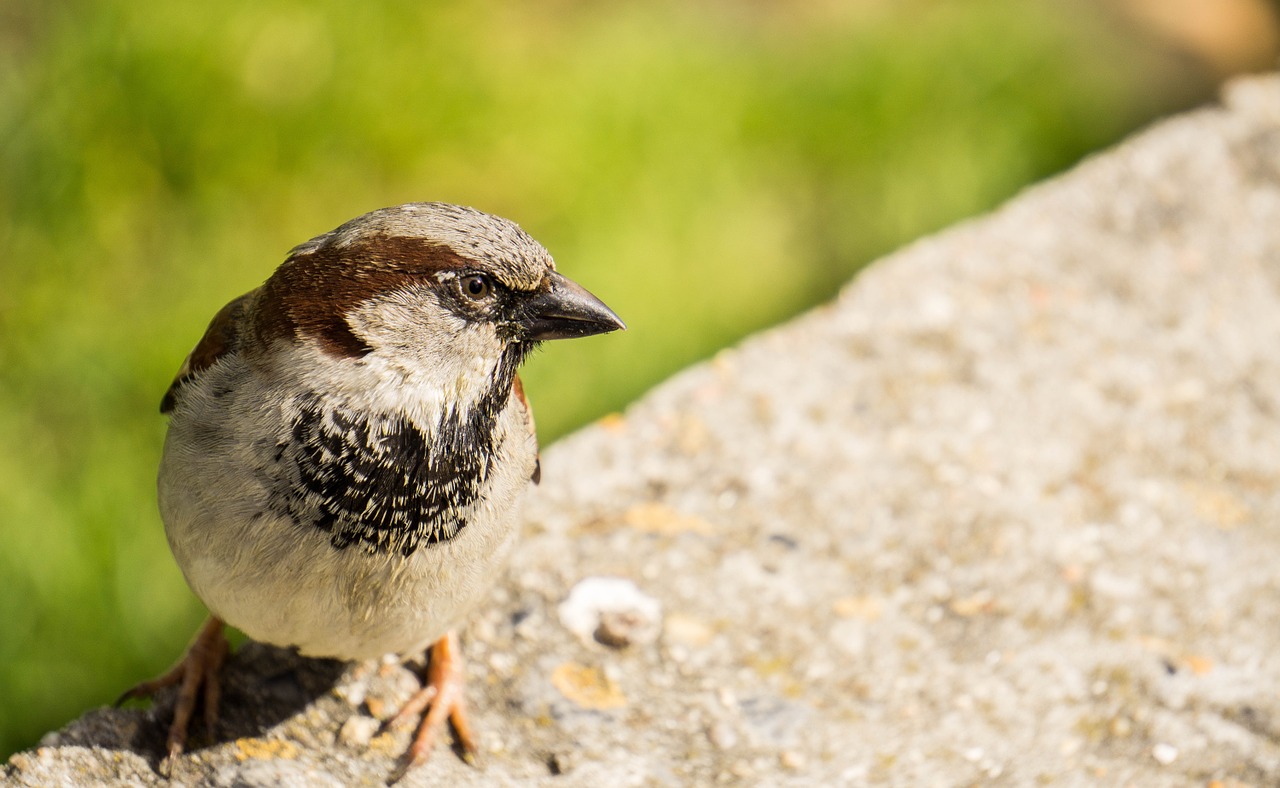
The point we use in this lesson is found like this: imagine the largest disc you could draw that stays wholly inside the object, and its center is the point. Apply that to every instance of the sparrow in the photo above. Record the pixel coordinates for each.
(348, 443)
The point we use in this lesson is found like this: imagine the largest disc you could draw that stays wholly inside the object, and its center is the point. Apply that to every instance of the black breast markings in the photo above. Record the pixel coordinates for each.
(380, 484)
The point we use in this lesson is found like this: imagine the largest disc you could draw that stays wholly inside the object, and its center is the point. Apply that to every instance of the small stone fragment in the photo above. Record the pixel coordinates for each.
(866, 608)
(727, 698)
(612, 611)
(588, 687)
(618, 628)
(353, 692)
(656, 518)
(721, 734)
(972, 605)
(559, 763)
(502, 664)
(1164, 754)
(358, 730)
(689, 631)
(387, 744)
(388, 665)
(1199, 665)
(265, 749)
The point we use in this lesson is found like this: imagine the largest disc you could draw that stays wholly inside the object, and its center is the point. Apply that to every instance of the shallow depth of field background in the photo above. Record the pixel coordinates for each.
(706, 168)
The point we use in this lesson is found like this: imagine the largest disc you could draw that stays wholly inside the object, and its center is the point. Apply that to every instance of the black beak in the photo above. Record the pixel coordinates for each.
(563, 310)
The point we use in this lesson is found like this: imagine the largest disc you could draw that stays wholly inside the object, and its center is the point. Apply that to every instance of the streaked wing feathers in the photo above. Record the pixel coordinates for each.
(220, 338)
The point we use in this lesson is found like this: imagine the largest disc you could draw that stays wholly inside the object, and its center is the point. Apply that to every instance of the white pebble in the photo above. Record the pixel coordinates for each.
(722, 735)
(358, 730)
(1164, 754)
(629, 615)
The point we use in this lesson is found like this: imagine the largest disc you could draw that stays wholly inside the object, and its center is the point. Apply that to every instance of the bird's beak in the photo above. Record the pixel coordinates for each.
(564, 309)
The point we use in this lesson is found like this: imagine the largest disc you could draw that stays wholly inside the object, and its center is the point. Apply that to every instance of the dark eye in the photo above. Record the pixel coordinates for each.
(477, 287)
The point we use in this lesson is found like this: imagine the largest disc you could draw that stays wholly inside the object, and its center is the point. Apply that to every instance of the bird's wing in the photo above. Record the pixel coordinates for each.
(220, 338)
(518, 388)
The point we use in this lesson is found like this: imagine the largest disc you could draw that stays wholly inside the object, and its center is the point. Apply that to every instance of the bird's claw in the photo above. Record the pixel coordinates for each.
(195, 675)
(443, 696)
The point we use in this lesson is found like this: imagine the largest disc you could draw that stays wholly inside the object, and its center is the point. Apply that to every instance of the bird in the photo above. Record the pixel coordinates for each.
(348, 444)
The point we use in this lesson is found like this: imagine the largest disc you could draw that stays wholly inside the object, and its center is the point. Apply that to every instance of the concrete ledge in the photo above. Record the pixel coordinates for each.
(1008, 510)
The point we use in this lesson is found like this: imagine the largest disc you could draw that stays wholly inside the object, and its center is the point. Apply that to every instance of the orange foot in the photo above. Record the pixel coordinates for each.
(442, 690)
(197, 669)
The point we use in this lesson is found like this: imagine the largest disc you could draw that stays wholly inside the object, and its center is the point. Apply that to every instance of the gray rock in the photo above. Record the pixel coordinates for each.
(1008, 509)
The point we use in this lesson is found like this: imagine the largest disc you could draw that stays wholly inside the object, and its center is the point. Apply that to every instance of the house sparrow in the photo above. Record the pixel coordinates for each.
(348, 442)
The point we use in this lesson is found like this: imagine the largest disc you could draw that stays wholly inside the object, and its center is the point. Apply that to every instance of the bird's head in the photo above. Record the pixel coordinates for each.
(426, 289)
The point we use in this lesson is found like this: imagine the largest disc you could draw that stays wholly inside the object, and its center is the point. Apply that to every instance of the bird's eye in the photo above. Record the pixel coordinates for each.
(477, 287)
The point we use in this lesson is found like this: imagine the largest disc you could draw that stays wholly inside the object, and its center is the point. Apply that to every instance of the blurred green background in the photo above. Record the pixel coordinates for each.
(706, 168)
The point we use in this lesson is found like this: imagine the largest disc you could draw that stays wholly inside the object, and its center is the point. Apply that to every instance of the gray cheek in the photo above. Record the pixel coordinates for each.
(414, 325)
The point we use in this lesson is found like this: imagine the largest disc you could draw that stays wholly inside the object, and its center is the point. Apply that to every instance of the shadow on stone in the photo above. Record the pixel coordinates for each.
(262, 686)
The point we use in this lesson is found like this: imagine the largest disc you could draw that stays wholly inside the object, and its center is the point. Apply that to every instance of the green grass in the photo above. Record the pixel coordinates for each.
(707, 169)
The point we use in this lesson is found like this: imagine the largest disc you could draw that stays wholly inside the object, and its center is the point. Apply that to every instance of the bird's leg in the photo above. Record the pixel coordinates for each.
(196, 671)
(443, 690)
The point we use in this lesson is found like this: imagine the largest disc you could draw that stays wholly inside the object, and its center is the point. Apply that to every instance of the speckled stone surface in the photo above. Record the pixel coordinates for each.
(1007, 512)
